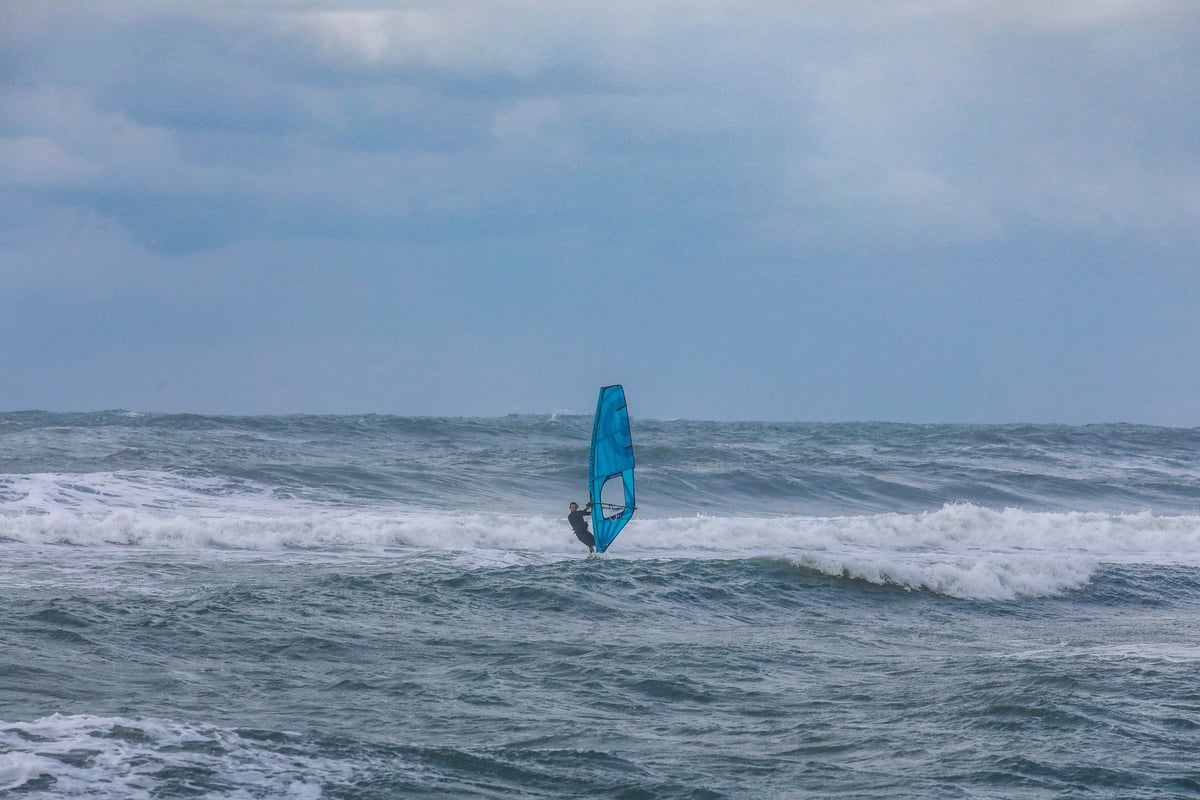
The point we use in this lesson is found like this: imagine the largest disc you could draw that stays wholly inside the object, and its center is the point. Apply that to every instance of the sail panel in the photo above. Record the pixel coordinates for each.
(611, 458)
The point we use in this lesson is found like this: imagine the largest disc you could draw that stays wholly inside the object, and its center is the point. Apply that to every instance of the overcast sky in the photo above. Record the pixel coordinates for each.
(923, 210)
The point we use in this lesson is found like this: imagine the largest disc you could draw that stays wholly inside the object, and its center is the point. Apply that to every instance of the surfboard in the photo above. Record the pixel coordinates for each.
(610, 467)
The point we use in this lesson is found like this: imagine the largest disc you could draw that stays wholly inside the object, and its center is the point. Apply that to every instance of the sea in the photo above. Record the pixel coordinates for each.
(395, 607)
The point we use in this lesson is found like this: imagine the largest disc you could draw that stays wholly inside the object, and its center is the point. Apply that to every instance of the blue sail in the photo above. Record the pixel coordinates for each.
(611, 460)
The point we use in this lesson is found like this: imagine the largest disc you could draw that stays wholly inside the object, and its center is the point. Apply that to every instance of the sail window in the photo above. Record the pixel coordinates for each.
(612, 496)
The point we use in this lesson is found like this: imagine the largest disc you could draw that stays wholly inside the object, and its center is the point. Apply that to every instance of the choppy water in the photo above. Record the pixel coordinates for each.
(378, 607)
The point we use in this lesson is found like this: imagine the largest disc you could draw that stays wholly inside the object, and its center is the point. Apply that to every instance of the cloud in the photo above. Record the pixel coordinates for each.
(457, 37)
(38, 163)
(1055, 116)
(48, 249)
(1046, 15)
(106, 148)
(935, 120)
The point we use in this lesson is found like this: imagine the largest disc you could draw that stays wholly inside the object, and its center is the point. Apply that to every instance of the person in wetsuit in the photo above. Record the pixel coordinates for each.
(579, 525)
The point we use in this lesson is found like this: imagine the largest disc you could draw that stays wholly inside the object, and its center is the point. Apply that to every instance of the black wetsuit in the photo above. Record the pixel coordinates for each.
(579, 525)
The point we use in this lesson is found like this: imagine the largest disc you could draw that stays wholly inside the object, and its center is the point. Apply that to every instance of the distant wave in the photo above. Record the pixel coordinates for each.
(529, 465)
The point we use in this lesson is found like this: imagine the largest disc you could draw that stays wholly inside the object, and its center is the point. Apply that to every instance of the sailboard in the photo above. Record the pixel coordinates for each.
(610, 468)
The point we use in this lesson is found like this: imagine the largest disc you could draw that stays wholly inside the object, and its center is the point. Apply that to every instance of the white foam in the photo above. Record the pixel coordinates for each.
(114, 757)
(958, 550)
(17, 769)
(138, 489)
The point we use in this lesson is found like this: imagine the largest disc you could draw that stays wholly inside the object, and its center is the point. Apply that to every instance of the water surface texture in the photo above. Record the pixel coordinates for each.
(382, 607)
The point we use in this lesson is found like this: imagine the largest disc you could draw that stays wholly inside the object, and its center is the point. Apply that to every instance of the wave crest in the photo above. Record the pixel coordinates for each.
(960, 551)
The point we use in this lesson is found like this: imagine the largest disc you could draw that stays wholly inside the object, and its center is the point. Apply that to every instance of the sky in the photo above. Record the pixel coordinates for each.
(959, 211)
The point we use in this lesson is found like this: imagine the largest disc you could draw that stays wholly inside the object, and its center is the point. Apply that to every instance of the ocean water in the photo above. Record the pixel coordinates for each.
(383, 607)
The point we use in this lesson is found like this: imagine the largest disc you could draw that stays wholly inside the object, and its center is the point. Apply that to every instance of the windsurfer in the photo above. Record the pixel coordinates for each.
(579, 525)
